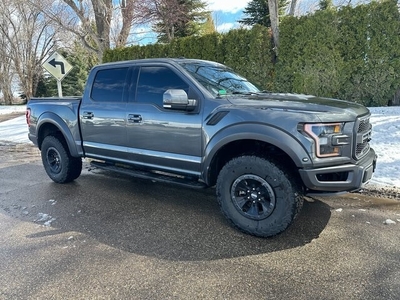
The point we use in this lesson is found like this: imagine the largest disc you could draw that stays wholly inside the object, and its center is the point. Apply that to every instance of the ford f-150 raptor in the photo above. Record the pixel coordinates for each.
(199, 124)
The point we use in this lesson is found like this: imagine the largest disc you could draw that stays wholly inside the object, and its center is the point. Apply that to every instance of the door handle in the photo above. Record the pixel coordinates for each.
(88, 115)
(132, 118)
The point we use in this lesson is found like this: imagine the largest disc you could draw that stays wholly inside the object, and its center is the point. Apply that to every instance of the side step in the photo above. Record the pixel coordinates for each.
(155, 176)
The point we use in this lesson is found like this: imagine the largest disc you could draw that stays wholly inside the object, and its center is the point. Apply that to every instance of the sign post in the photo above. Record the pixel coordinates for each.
(58, 67)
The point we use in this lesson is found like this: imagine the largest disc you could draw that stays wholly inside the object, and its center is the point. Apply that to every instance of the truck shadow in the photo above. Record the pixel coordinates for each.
(153, 219)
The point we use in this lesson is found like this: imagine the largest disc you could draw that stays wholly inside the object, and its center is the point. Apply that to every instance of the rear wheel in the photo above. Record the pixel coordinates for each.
(257, 197)
(60, 166)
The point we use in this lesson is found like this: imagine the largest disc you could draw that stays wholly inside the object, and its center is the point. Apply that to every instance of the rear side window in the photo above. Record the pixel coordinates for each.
(108, 85)
(154, 81)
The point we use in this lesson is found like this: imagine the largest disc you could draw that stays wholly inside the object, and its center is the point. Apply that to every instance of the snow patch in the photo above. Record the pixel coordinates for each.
(46, 219)
(389, 222)
(8, 109)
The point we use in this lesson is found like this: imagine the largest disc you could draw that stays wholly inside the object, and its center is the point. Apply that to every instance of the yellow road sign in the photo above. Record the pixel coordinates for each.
(57, 66)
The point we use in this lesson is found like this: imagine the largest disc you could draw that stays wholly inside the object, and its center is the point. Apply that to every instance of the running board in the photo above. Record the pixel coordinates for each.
(155, 176)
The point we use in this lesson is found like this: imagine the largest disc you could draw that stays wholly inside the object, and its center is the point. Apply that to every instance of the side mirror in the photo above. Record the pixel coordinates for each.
(178, 99)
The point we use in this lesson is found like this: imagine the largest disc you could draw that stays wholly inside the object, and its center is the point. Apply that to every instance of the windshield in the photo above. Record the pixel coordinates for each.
(219, 80)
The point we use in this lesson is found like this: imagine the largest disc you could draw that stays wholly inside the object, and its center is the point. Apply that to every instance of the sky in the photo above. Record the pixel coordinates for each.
(226, 13)
(385, 141)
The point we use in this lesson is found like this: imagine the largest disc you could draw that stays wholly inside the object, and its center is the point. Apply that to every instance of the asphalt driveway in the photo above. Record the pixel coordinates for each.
(113, 237)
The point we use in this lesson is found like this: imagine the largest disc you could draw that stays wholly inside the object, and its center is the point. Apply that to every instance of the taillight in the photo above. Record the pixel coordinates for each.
(28, 117)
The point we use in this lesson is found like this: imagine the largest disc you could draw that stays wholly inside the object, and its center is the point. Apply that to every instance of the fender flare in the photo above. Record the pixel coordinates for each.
(59, 123)
(260, 132)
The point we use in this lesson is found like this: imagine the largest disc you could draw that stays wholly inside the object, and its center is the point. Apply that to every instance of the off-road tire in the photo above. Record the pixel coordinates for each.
(257, 196)
(60, 166)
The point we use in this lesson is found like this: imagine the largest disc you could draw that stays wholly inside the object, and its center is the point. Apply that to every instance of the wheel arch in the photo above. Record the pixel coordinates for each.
(264, 141)
(52, 124)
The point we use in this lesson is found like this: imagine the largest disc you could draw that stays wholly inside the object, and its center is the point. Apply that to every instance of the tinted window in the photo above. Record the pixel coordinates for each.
(154, 81)
(109, 85)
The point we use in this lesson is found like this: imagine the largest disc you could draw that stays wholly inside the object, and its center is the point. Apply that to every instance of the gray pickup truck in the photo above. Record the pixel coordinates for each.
(197, 123)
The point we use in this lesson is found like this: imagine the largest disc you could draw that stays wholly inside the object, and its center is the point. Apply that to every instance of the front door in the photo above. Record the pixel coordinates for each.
(162, 138)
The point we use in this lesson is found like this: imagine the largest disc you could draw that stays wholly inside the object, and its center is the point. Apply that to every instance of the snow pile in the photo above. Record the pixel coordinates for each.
(385, 140)
(6, 109)
(14, 130)
(386, 143)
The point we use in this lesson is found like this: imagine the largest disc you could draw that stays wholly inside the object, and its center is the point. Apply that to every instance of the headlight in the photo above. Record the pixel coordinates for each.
(328, 138)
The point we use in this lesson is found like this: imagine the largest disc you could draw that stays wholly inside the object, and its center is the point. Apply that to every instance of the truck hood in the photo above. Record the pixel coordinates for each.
(302, 103)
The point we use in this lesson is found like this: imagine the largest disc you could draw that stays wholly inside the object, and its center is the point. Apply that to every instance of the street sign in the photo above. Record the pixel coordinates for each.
(57, 66)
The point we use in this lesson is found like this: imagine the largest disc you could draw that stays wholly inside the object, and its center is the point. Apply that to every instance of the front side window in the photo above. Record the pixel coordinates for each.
(154, 81)
(108, 85)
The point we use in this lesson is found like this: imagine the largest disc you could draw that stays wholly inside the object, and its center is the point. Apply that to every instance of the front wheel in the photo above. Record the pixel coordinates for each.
(257, 197)
(60, 166)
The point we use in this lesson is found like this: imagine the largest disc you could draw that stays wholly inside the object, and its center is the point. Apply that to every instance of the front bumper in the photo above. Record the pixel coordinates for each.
(342, 178)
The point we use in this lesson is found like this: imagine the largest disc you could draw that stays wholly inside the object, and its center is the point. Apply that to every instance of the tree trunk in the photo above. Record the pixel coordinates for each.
(6, 80)
(103, 10)
(292, 8)
(8, 96)
(127, 12)
(274, 18)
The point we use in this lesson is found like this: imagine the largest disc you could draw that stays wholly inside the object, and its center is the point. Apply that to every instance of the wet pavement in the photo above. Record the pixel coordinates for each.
(107, 236)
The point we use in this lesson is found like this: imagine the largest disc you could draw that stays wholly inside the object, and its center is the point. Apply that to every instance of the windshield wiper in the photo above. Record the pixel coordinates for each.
(244, 93)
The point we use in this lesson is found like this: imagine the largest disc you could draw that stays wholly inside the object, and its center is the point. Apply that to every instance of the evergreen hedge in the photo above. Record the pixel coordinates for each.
(248, 52)
(350, 53)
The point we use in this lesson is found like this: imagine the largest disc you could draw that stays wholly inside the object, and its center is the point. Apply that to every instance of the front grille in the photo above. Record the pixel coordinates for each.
(363, 136)
(363, 125)
(361, 149)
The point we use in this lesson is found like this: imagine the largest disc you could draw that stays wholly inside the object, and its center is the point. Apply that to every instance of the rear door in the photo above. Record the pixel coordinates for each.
(102, 114)
(162, 138)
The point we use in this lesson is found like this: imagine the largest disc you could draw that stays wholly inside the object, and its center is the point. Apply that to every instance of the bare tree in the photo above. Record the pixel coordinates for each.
(92, 22)
(6, 73)
(174, 18)
(28, 39)
(165, 14)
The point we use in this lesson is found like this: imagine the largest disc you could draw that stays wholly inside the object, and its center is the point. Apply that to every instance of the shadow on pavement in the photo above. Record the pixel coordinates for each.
(143, 217)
